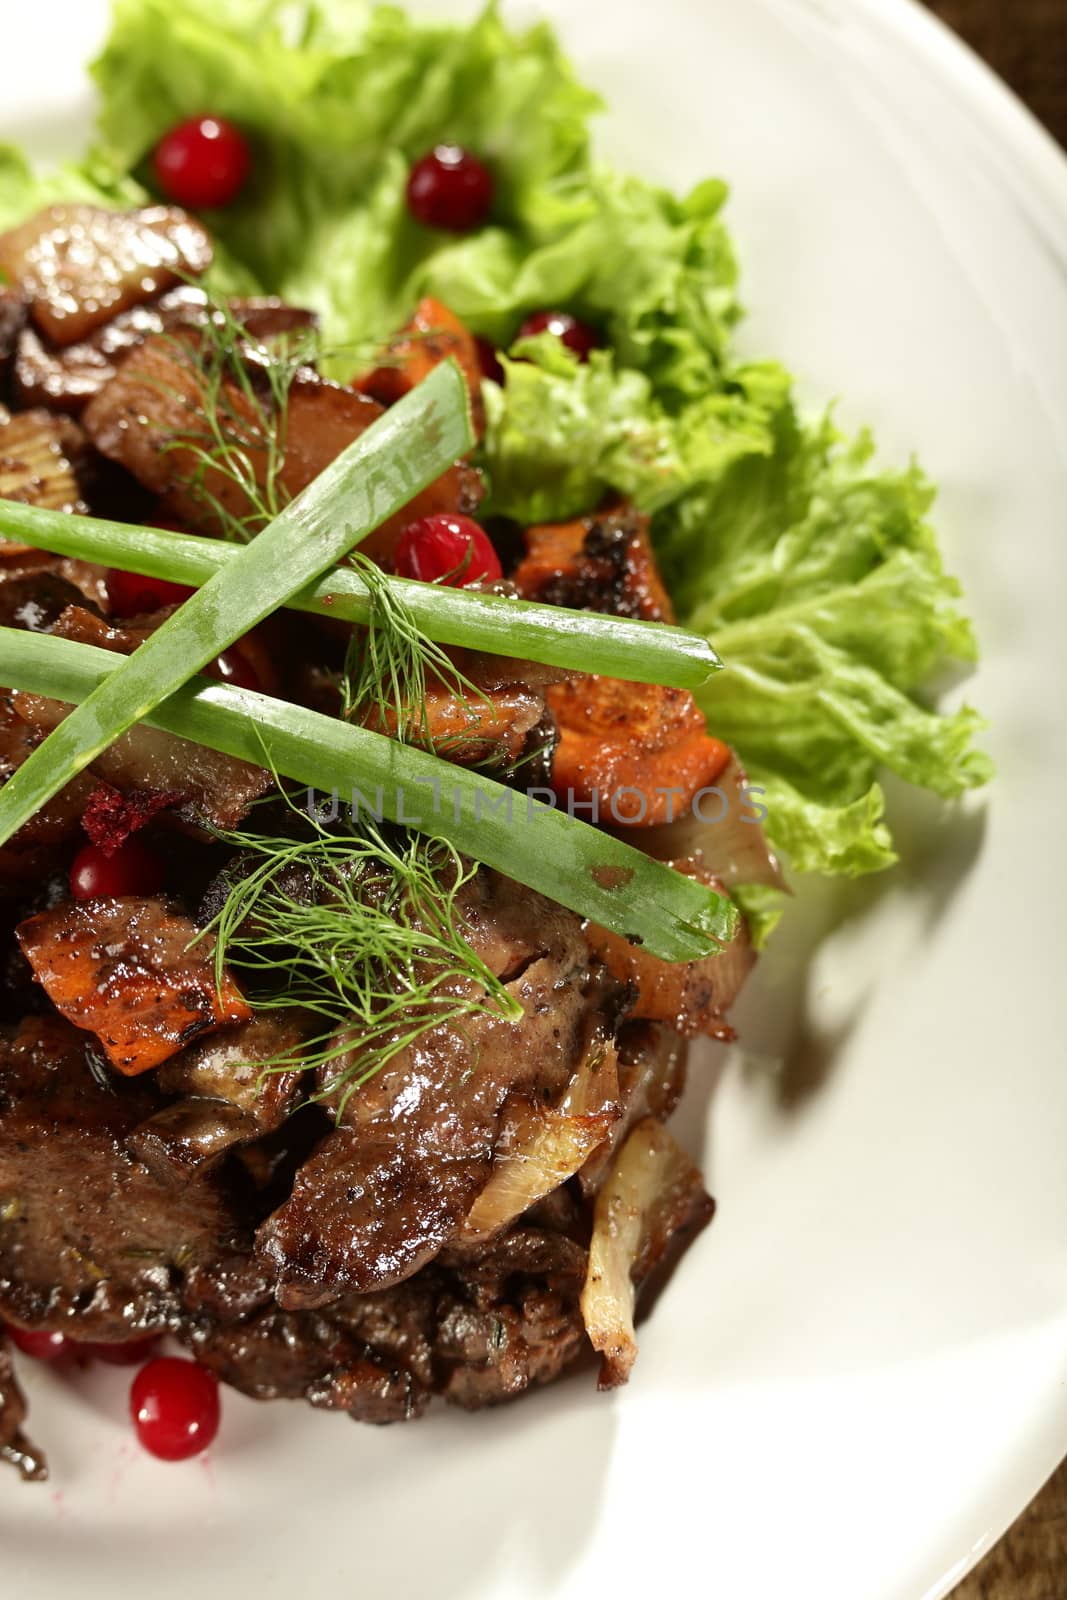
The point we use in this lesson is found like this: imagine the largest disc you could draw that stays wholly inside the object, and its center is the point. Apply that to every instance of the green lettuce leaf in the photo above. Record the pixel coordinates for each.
(22, 191)
(820, 582)
(561, 433)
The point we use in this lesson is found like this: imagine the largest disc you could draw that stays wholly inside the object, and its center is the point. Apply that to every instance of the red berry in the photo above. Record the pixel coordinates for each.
(132, 596)
(175, 1408)
(128, 1354)
(489, 361)
(451, 189)
(203, 163)
(131, 869)
(446, 548)
(243, 666)
(40, 1345)
(577, 336)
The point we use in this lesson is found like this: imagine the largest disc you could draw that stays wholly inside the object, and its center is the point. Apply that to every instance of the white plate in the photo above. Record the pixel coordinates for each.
(856, 1381)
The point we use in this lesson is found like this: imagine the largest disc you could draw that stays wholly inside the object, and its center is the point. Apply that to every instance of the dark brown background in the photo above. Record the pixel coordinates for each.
(1026, 42)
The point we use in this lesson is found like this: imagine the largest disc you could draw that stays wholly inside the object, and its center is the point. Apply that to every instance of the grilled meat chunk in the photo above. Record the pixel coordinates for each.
(66, 377)
(15, 1448)
(79, 265)
(229, 1097)
(12, 317)
(155, 406)
(91, 1243)
(127, 970)
(388, 1189)
(478, 1329)
(26, 857)
(42, 463)
(215, 788)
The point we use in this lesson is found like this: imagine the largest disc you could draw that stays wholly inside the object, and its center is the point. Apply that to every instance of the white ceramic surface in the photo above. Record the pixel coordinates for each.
(857, 1379)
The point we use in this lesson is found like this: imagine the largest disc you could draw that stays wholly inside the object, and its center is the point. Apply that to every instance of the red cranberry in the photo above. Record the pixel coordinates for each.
(233, 667)
(132, 869)
(446, 548)
(128, 1354)
(577, 336)
(489, 361)
(175, 1408)
(130, 595)
(451, 189)
(40, 1345)
(203, 163)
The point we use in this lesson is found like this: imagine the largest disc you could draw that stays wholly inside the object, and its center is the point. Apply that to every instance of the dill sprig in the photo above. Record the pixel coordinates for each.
(242, 431)
(361, 927)
(389, 664)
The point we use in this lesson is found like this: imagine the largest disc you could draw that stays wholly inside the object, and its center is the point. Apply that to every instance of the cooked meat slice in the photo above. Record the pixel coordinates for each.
(266, 318)
(228, 1066)
(386, 1191)
(150, 420)
(35, 597)
(215, 788)
(90, 1241)
(652, 1200)
(128, 971)
(143, 418)
(190, 1136)
(80, 265)
(12, 317)
(41, 458)
(478, 1329)
(25, 858)
(15, 1448)
(66, 377)
(510, 1318)
(651, 1078)
(434, 334)
(641, 753)
(229, 1095)
(599, 563)
(285, 1355)
(691, 997)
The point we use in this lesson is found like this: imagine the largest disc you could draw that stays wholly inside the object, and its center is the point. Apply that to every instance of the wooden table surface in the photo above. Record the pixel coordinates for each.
(1026, 42)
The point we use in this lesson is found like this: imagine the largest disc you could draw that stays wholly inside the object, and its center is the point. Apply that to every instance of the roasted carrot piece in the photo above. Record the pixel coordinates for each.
(615, 735)
(433, 334)
(599, 563)
(644, 738)
(127, 970)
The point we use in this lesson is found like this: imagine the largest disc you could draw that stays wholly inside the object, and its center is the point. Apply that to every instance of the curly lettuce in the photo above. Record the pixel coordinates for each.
(815, 573)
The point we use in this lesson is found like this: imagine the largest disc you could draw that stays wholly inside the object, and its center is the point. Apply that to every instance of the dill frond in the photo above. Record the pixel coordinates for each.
(245, 383)
(360, 927)
(388, 666)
